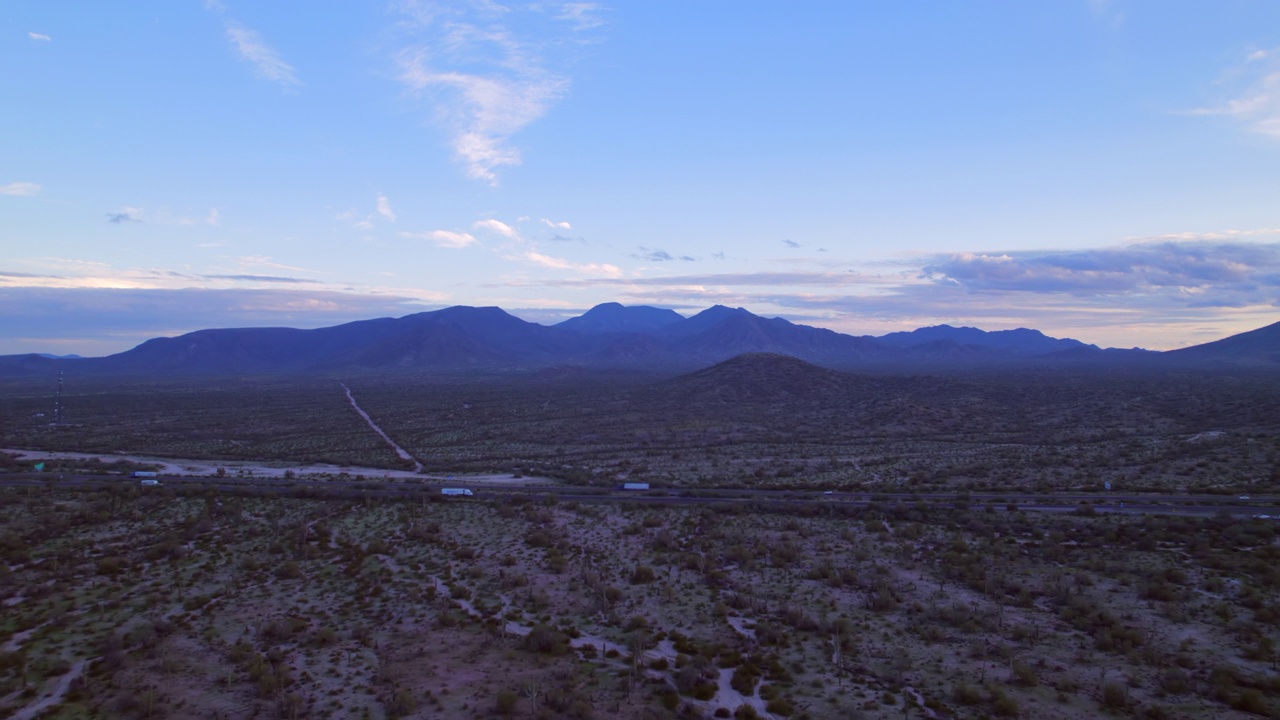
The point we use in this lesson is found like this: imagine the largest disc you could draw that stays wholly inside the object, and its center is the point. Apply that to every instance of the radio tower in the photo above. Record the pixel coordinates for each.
(57, 402)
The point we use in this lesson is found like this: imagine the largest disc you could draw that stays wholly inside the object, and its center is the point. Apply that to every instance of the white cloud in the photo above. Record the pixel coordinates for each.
(214, 217)
(1211, 235)
(531, 255)
(581, 15)
(21, 189)
(247, 261)
(39, 36)
(484, 112)
(557, 225)
(522, 250)
(125, 214)
(498, 227)
(1257, 101)
(443, 238)
(252, 48)
(486, 78)
(384, 208)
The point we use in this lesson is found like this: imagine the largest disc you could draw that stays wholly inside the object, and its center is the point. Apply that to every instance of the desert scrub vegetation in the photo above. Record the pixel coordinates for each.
(1025, 431)
(119, 603)
(306, 421)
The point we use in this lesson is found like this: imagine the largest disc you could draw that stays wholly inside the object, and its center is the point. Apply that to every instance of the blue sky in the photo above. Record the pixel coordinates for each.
(1105, 170)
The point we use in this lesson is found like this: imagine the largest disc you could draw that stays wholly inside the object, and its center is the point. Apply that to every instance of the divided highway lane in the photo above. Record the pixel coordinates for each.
(1102, 503)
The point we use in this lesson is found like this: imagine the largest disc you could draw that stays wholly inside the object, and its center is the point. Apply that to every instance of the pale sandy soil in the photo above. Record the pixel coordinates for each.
(235, 468)
(15, 642)
(400, 452)
(739, 624)
(64, 684)
(730, 699)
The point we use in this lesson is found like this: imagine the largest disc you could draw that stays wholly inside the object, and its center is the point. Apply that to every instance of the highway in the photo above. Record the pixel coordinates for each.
(1107, 502)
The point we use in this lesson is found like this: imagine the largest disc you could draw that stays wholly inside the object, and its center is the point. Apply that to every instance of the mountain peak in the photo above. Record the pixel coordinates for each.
(1021, 341)
(616, 317)
(763, 376)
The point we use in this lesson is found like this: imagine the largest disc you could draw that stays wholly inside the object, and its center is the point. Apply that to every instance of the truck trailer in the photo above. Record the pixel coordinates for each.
(455, 491)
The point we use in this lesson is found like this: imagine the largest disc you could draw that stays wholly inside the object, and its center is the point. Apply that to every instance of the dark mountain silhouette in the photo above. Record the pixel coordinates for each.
(460, 339)
(762, 377)
(454, 338)
(1259, 347)
(26, 364)
(1020, 341)
(617, 318)
(721, 333)
(702, 322)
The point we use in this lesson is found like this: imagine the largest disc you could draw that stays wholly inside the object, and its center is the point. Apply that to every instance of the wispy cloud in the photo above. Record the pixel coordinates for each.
(654, 255)
(1210, 235)
(39, 36)
(21, 189)
(26, 276)
(1256, 103)
(533, 256)
(361, 221)
(757, 279)
(499, 227)
(523, 250)
(443, 238)
(125, 214)
(791, 243)
(659, 255)
(1204, 273)
(384, 208)
(563, 225)
(248, 261)
(484, 112)
(487, 75)
(214, 217)
(253, 49)
(263, 279)
(1153, 294)
(581, 15)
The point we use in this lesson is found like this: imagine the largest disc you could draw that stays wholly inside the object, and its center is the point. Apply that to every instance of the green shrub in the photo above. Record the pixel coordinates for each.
(1115, 696)
(505, 703)
(780, 706)
(547, 640)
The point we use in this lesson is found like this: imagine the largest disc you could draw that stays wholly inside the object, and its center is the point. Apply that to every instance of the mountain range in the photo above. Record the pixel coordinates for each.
(613, 336)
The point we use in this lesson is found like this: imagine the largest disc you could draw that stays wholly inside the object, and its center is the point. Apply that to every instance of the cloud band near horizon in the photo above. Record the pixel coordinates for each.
(1156, 294)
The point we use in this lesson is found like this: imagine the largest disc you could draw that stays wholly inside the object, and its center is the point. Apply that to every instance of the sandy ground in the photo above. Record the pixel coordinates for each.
(740, 624)
(272, 469)
(730, 699)
(400, 452)
(64, 684)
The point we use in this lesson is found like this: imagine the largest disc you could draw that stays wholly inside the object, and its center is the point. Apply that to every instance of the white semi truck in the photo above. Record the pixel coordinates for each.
(456, 491)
